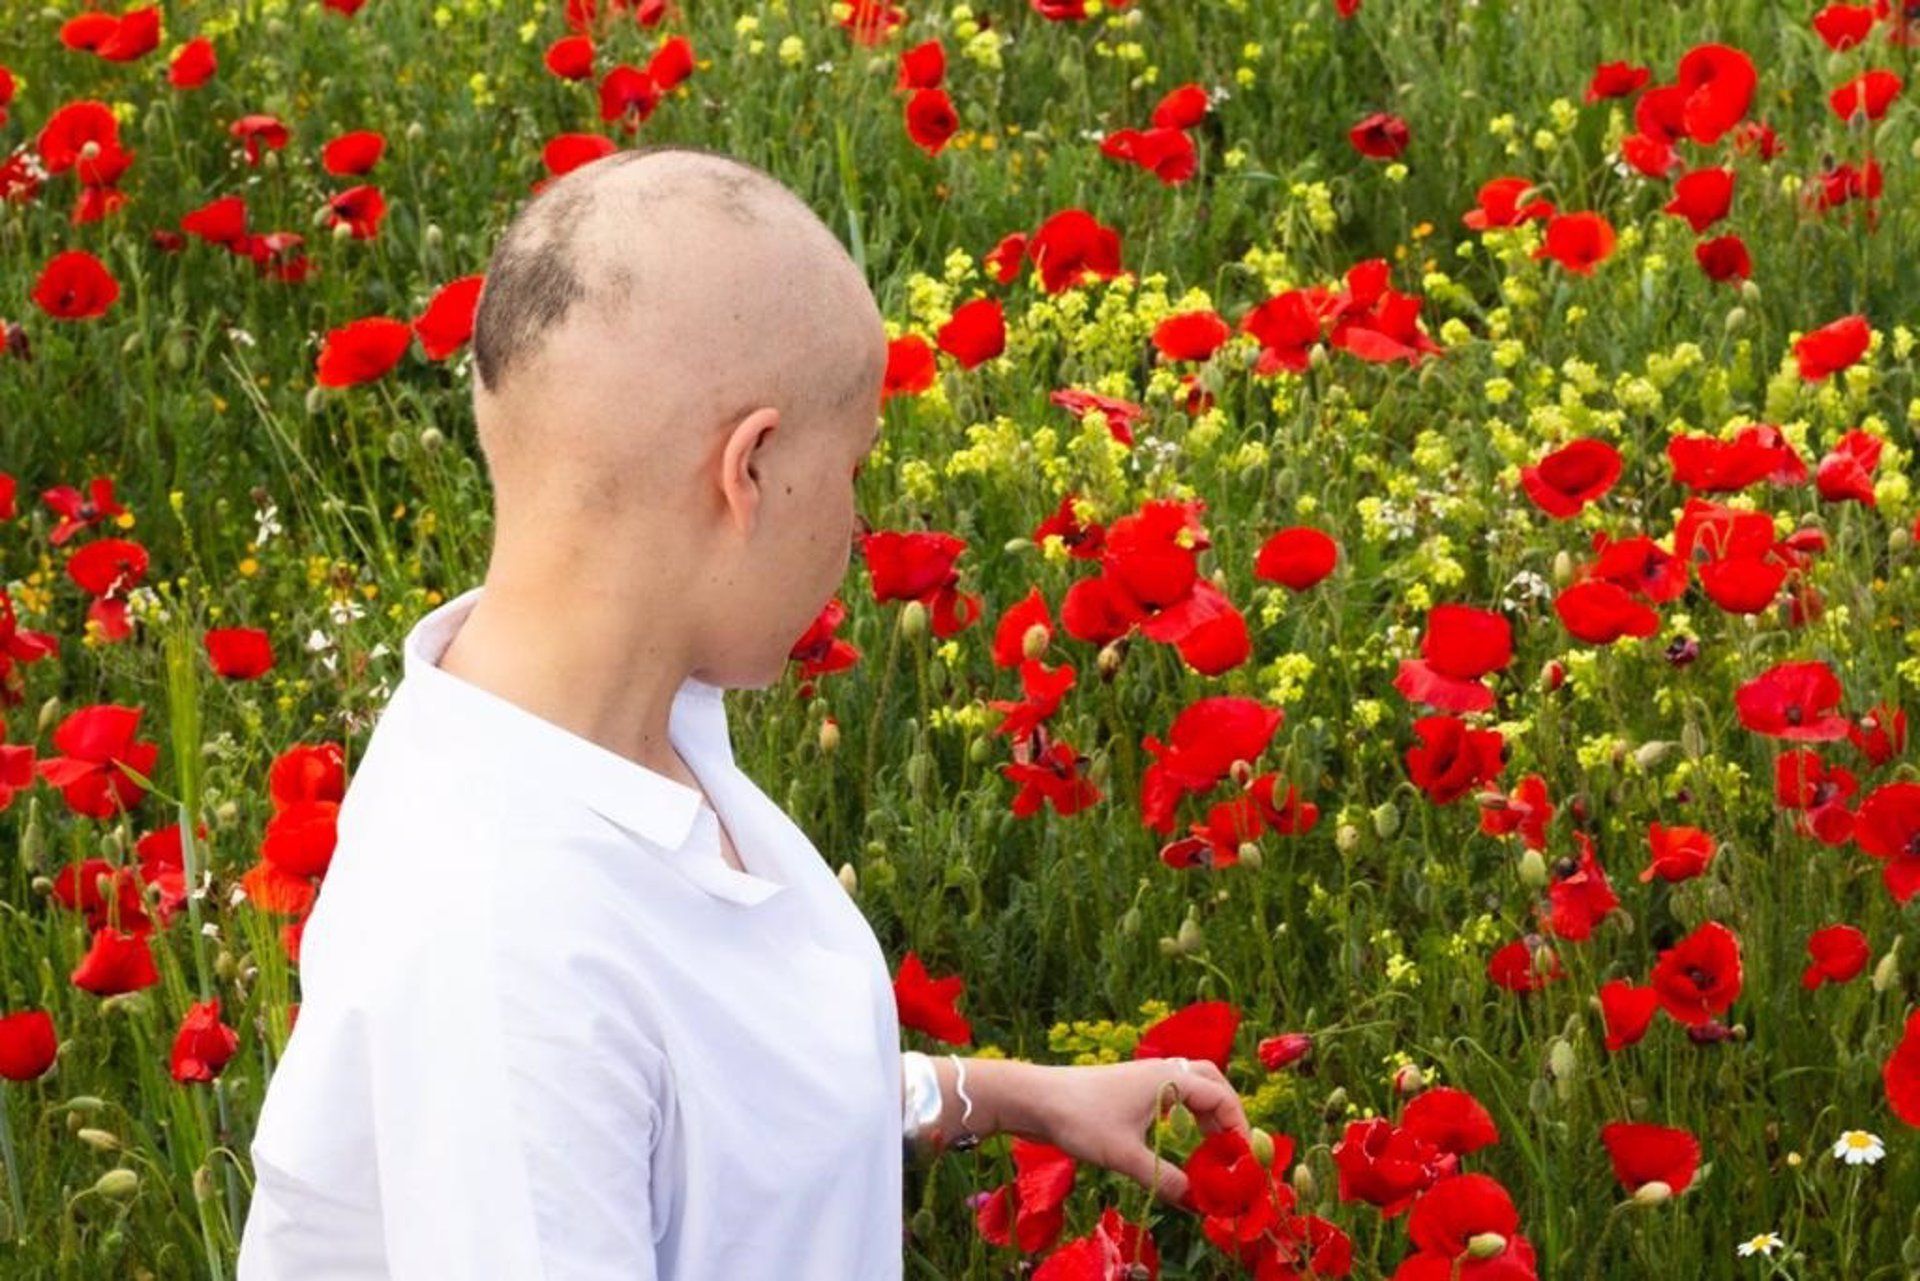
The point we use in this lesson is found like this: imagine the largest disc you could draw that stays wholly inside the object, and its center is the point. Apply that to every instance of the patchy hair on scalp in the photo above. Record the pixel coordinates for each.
(539, 271)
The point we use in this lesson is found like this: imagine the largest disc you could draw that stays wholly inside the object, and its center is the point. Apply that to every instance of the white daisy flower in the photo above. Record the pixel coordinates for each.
(1764, 1244)
(1857, 1147)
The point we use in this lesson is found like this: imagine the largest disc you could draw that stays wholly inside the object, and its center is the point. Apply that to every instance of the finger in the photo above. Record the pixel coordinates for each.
(1156, 1171)
(1214, 1103)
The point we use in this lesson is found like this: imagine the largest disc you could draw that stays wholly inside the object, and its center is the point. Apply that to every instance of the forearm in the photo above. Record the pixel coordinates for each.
(1008, 1096)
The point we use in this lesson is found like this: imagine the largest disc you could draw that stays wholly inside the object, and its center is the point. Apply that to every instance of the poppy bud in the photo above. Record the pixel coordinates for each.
(99, 1140)
(119, 1184)
(1336, 1105)
(433, 440)
(1250, 854)
(913, 619)
(829, 734)
(1168, 946)
(1553, 674)
(1034, 642)
(226, 814)
(1533, 870)
(922, 1222)
(397, 444)
(176, 351)
(89, 150)
(978, 750)
(316, 397)
(224, 964)
(1189, 938)
(1648, 755)
(433, 235)
(1109, 660)
(1887, 972)
(919, 771)
(87, 1104)
(1181, 1127)
(1749, 291)
(1130, 921)
(1736, 320)
(1654, 1193)
(1346, 838)
(1409, 1079)
(416, 131)
(1562, 567)
(203, 1185)
(1486, 1245)
(1562, 1062)
(49, 710)
(849, 878)
(42, 885)
(1317, 357)
(1261, 1145)
(1304, 1184)
(1242, 771)
(342, 231)
(1386, 819)
(1899, 539)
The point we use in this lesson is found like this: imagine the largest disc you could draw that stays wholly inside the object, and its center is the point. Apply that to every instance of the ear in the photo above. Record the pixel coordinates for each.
(741, 459)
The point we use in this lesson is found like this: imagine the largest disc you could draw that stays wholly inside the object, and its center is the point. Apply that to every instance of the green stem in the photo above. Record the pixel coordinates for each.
(17, 1229)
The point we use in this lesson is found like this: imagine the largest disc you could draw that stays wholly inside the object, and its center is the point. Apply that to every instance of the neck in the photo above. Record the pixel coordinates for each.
(601, 662)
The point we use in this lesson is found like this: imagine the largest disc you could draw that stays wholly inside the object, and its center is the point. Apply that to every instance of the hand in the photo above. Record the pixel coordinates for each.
(1100, 1114)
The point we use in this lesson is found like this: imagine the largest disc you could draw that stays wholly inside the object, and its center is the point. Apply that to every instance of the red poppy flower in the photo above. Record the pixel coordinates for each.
(1839, 953)
(927, 1004)
(1700, 976)
(1880, 733)
(362, 351)
(818, 651)
(1793, 701)
(257, 131)
(447, 324)
(1867, 96)
(93, 743)
(75, 285)
(1845, 474)
(1191, 335)
(1216, 842)
(1888, 828)
(1580, 896)
(1502, 202)
(1029, 1211)
(1380, 136)
(1182, 107)
(1833, 347)
(27, 1045)
(239, 653)
(1679, 853)
(1289, 325)
(1901, 1075)
(1450, 1119)
(1296, 557)
(1843, 26)
(352, 154)
(1565, 480)
(193, 64)
(1526, 810)
(568, 151)
(116, 963)
(1577, 241)
(1724, 259)
(220, 222)
(628, 95)
(1452, 1220)
(923, 67)
(1600, 612)
(1166, 153)
(1054, 778)
(1452, 758)
(920, 566)
(1758, 452)
(1386, 1166)
(1204, 742)
(931, 120)
(1616, 80)
(1524, 966)
(1043, 689)
(108, 567)
(1084, 540)
(1644, 1154)
(976, 333)
(1460, 646)
(1071, 247)
(570, 58)
(1284, 1050)
(1627, 1011)
(1202, 1030)
(1702, 197)
(1224, 1178)
(203, 1044)
(130, 36)
(359, 210)
(910, 366)
(1718, 82)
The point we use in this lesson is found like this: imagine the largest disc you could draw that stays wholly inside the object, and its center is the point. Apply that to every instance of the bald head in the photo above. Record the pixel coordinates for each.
(642, 304)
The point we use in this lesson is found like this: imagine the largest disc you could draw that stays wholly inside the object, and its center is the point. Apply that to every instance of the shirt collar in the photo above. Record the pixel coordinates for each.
(484, 728)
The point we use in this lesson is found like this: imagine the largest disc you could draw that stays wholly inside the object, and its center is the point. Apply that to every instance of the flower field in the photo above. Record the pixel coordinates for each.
(1392, 569)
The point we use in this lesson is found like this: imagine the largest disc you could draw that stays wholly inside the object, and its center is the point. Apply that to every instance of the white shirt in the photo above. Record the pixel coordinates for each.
(546, 1032)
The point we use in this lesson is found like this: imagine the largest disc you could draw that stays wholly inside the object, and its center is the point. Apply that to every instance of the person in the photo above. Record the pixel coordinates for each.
(579, 1001)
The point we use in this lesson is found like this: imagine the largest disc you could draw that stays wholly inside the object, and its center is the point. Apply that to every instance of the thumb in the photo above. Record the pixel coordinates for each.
(1155, 1171)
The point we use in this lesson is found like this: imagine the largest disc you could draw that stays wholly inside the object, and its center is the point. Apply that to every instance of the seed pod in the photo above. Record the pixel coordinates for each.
(829, 734)
(849, 878)
(1346, 838)
(1033, 642)
(1486, 1245)
(1250, 855)
(1654, 1193)
(1261, 1144)
(1887, 972)
(119, 1184)
(1386, 819)
(1533, 870)
(1189, 937)
(99, 1140)
(913, 619)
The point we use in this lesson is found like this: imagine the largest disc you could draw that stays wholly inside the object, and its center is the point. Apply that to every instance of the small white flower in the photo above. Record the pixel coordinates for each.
(1857, 1147)
(1764, 1244)
(318, 640)
(346, 611)
(267, 524)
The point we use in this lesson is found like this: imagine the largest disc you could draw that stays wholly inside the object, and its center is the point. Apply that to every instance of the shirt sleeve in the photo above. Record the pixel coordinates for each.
(517, 1109)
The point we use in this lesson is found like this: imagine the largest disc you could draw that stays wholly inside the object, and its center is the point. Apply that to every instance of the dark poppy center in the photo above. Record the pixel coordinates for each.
(1796, 714)
(1823, 793)
(1699, 977)
(1913, 846)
